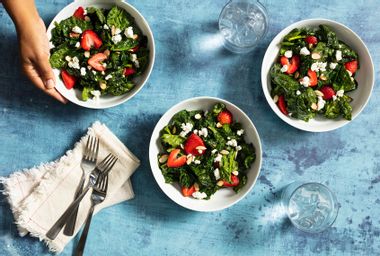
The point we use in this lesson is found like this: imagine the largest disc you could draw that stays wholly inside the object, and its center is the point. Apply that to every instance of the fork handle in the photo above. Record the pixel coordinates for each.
(57, 227)
(82, 241)
(70, 224)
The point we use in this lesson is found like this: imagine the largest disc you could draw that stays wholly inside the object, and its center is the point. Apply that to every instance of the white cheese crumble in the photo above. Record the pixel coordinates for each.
(334, 98)
(96, 95)
(77, 45)
(87, 54)
(349, 72)
(203, 132)
(105, 26)
(321, 103)
(186, 128)
(83, 71)
(318, 66)
(305, 81)
(288, 54)
(340, 93)
(117, 31)
(338, 55)
(133, 57)
(199, 195)
(217, 174)
(284, 68)
(116, 38)
(298, 92)
(240, 132)
(333, 65)
(304, 51)
(129, 32)
(73, 62)
(108, 77)
(198, 116)
(238, 148)
(197, 162)
(218, 158)
(232, 143)
(77, 30)
(94, 72)
(214, 151)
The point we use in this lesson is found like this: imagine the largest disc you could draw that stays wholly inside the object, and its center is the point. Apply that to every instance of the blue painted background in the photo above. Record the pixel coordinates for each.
(35, 129)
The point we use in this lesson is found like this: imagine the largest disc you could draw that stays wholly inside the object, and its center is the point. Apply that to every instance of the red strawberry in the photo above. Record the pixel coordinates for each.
(134, 49)
(234, 182)
(90, 39)
(311, 40)
(351, 66)
(328, 92)
(225, 117)
(95, 61)
(293, 64)
(282, 105)
(313, 78)
(173, 161)
(188, 191)
(129, 71)
(192, 144)
(68, 79)
(79, 13)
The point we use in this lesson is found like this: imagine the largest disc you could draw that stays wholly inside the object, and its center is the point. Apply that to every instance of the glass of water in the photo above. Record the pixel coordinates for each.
(311, 207)
(243, 23)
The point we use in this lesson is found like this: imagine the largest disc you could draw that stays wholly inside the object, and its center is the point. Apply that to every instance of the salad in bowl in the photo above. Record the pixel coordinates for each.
(205, 154)
(101, 52)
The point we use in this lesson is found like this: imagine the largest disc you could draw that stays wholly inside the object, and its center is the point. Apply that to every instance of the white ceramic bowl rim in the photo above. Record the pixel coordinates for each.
(321, 124)
(190, 203)
(106, 101)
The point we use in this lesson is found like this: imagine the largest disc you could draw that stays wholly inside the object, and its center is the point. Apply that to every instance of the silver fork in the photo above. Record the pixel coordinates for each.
(88, 163)
(98, 195)
(102, 168)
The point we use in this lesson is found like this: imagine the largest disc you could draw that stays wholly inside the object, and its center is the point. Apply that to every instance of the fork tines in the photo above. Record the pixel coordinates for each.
(91, 149)
(106, 165)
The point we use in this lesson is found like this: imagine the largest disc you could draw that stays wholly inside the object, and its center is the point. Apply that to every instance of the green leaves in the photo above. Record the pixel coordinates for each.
(287, 83)
(228, 165)
(343, 80)
(57, 58)
(99, 13)
(171, 139)
(125, 45)
(340, 107)
(118, 17)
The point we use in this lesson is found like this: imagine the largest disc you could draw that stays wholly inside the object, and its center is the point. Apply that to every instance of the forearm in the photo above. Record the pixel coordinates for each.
(22, 12)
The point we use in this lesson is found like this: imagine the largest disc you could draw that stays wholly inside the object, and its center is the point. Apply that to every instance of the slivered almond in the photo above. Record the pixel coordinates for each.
(220, 183)
(200, 148)
(135, 36)
(74, 35)
(318, 93)
(196, 186)
(224, 152)
(107, 52)
(113, 30)
(102, 85)
(163, 159)
(323, 77)
(86, 18)
(296, 75)
(275, 98)
(218, 125)
(236, 173)
(314, 106)
(315, 56)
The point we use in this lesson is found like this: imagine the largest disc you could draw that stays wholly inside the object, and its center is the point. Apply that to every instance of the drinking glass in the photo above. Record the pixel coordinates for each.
(311, 207)
(243, 23)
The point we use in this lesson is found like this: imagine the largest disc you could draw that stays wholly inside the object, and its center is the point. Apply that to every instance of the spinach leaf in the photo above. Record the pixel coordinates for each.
(328, 36)
(124, 45)
(86, 93)
(118, 17)
(99, 13)
(343, 80)
(299, 105)
(171, 139)
(57, 59)
(341, 106)
(287, 83)
(185, 178)
(228, 165)
(219, 107)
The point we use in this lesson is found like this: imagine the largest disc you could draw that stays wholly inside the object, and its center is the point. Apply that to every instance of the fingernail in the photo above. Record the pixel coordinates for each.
(49, 84)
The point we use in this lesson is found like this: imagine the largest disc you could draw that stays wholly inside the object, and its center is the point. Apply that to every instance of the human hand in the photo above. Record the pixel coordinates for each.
(34, 53)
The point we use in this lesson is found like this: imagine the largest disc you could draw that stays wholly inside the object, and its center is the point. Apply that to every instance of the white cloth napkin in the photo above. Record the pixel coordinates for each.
(40, 195)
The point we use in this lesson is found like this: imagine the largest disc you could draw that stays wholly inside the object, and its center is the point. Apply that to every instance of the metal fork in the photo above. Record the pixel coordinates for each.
(103, 168)
(98, 195)
(88, 163)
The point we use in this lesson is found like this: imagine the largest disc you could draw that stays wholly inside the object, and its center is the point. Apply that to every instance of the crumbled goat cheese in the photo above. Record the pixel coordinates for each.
(128, 32)
(77, 30)
(318, 66)
(338, 55)
(288, 54)
(284, 68)
(240, 132)
(305, 81)
(186, 128)
(304, 51)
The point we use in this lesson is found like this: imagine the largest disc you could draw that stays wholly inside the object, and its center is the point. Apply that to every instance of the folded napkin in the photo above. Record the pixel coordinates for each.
(40, 195)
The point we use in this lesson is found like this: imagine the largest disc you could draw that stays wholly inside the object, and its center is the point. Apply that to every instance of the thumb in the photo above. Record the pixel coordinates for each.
(46, 72)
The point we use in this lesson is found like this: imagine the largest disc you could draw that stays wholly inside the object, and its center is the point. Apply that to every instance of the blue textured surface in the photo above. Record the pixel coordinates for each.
(35, 128)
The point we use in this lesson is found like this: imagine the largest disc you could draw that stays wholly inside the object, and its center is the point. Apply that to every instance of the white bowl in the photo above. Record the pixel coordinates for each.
(108, 100)
(364, 76)
(223, 198)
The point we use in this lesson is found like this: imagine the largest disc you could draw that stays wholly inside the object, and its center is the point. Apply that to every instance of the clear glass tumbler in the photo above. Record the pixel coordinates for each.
(243, 23)
(311, 207)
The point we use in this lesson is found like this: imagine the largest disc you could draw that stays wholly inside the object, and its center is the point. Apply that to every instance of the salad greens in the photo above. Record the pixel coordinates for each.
(204, 152)
(314, 72)
(99, 51)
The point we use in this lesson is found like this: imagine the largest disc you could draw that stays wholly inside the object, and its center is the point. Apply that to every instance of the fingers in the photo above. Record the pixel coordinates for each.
(38, 81)
(45, 71)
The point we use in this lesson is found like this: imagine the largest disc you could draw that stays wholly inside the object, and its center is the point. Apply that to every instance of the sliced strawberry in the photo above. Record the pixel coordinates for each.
(79, 13)
(311, 40)
(135, 49)
(188, 191)
(292, 65)
(90, 39)
(68, 79)
(129, 71)
(328, 92)
(282, 105)
(173, 161)
(194, 144)
(234, 182)
(96, 61)
(313, 78)
(225, 117)
(351, 66)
